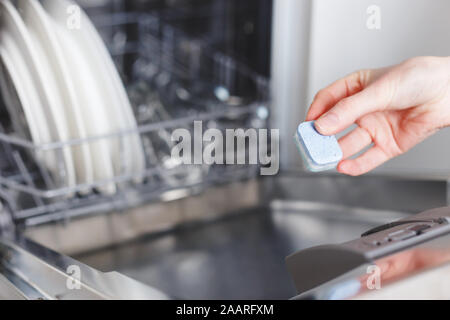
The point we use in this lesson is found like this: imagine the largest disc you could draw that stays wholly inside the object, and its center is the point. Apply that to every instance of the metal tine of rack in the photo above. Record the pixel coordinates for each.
(51, 193)
(26, 175)
(63, 206)
(146, 128)
(6, 146)
(55, 213)
(9, 200)
(48, 180)
(95, 202)
(4, 195)
(15, 157)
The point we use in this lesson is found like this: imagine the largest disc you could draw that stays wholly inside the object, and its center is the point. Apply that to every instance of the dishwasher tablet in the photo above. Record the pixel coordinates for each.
(319, 152)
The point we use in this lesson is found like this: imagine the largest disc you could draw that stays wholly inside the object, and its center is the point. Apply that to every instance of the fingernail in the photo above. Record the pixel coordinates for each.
(345, 168)
(327, 122)
(342, 167)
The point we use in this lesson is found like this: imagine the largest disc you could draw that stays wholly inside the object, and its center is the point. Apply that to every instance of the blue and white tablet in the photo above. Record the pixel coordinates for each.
(319, 152)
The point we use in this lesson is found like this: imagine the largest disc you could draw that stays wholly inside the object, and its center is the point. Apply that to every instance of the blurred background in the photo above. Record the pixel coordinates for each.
(218, 231)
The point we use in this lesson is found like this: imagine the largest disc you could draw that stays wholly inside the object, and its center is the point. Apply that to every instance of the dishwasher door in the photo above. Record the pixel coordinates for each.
(31, 271)
(204, 246)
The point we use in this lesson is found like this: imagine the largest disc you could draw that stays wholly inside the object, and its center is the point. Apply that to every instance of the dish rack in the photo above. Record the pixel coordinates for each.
(173, 79)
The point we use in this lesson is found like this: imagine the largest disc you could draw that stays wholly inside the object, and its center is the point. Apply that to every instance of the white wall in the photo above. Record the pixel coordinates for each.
(340, 43)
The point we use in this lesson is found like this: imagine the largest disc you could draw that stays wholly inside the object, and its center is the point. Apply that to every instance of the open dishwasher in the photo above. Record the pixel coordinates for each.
(188, 232)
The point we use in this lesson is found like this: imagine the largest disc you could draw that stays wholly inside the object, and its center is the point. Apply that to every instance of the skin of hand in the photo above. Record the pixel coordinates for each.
(406, 263)
(394, 109)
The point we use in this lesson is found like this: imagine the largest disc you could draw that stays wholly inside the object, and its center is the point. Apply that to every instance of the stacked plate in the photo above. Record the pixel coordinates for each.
(58, 73)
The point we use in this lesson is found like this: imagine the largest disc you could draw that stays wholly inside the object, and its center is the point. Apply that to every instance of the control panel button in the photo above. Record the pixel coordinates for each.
(402, 235)
(419, 228)
(378, 243)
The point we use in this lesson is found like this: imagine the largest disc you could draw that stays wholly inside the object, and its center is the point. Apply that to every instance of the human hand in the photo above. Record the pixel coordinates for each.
(394, 109)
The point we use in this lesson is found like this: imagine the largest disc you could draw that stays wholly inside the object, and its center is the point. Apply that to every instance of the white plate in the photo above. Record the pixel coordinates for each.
(40, 28)
(138, 157)
(131, 159)
(14, 86)
(26, 57)
(89, 90)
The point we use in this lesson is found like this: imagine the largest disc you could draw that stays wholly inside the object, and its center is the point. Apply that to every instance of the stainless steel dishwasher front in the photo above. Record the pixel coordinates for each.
(221, 249)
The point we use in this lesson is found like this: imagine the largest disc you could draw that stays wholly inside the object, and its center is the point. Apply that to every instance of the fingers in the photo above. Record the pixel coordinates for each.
(373, 98)
(354, 142)
(342, 88)
(323, 101)
(368, 161)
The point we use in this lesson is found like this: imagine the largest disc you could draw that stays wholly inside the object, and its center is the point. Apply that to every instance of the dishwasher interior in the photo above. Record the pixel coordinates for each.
(203, 231)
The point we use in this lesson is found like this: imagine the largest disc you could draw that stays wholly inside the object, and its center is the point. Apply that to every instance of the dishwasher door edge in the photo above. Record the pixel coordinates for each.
(32, 271)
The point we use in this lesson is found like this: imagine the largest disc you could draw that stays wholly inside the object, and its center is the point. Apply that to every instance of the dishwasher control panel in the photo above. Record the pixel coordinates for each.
(336, 260)
(392, 237)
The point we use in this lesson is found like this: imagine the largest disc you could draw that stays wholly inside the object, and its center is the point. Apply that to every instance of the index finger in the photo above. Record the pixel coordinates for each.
(331, 95)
